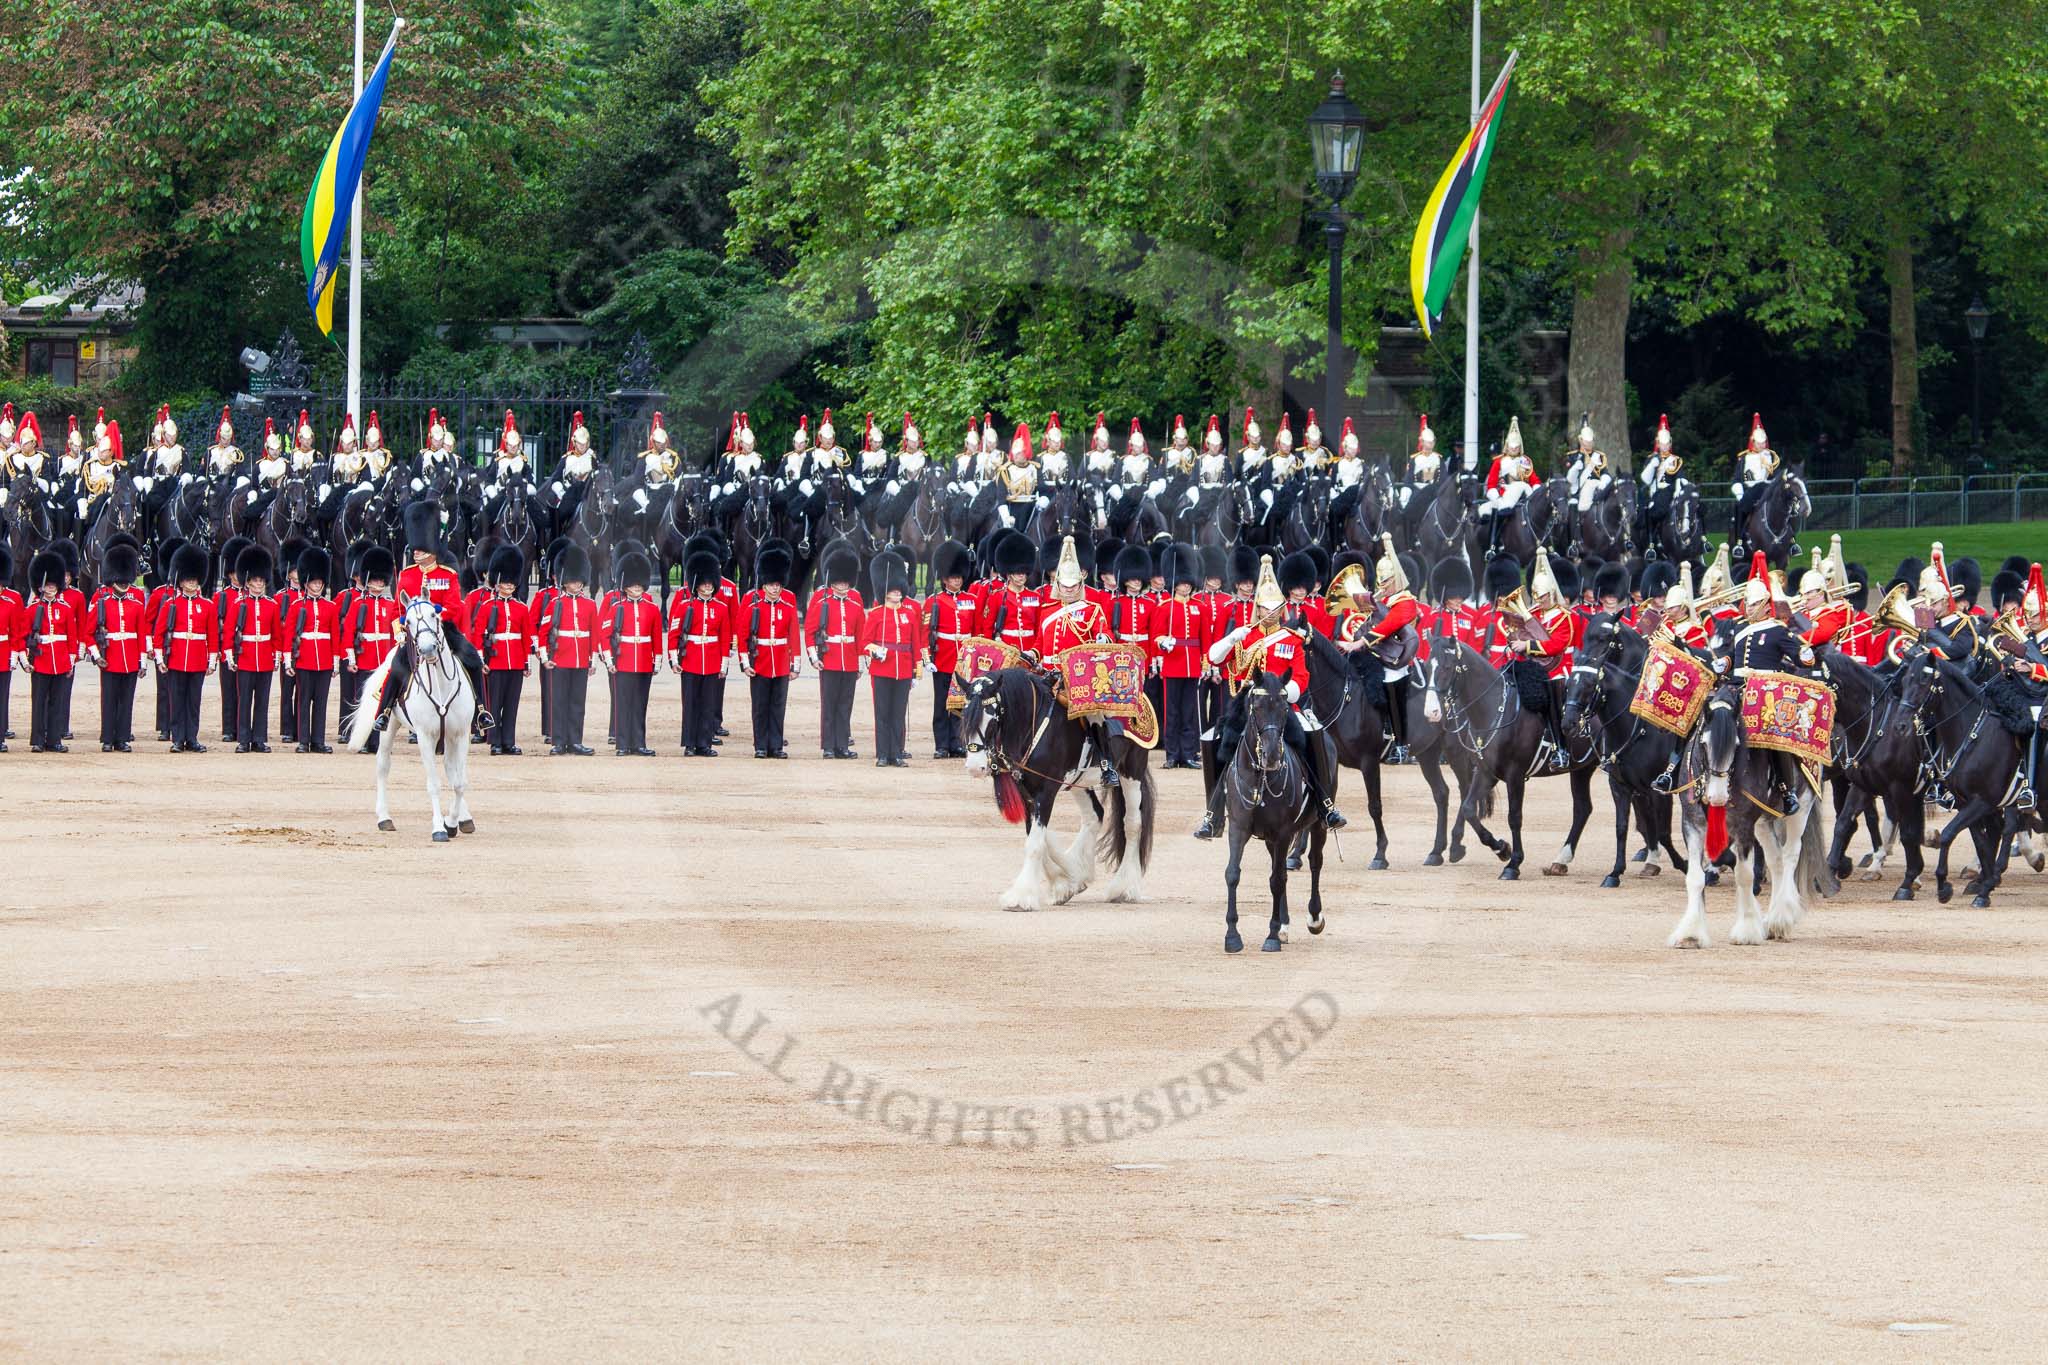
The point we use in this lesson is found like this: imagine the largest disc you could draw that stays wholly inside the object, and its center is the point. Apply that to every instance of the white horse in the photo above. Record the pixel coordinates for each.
(437, 706)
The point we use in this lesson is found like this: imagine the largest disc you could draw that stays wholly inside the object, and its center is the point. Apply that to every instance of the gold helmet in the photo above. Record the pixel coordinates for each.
(1267, 595)
(1718, 578)
(1068, 574)
(1543, 588)
(1815, 577)
(1935, 589)
(1511, 444)
(1679, 598)
(1760, 592)
(1387, 572)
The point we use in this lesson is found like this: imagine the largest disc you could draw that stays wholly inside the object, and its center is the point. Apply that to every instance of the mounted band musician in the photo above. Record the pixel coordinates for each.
(1380, 631)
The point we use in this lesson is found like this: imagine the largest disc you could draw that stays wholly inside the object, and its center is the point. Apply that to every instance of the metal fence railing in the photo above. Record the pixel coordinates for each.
(1936, 500)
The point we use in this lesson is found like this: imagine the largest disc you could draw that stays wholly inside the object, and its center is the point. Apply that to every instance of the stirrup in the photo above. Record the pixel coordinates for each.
(2025, 799)
(1109, 777)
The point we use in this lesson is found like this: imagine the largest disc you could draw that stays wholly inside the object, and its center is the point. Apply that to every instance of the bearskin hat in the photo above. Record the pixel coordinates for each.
(1966, 576)
(123, 564)
(701, 570)
(1345, 558)
(353, 556)
(950, 560)
(290, 550)
(1321, 556)
(164, 552)
(1451, 578)
(1503, 576)
(378, 563)
(315, 563)
(1215, 563)
(123, 538)
(1105, 556)
(1133, 564)
(2006, 586)
(1660, 576)
(230, 558)
(2013, 564)
(1411, 569)
(1161, 551)
(1048, 560)
(634, 570)
(1298, 570)
(1909, 571)
(1244, 566)
(188, 562)
(465, 577)
(1184, 566)
(553, 553)
(773, 563)
(1611, 580)
(66, 550)
(508, 565)
(1567, 575)
(1014, 555)
(573, 565)
(423, 525)
(45, 570)
(1860, 576)
(843, 566)
(891, 574)
(255, 562)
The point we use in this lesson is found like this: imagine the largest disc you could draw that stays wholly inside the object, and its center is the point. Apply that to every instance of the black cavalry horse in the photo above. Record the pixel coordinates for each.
(1636, 754)
(1266, 793)
(1877, 755)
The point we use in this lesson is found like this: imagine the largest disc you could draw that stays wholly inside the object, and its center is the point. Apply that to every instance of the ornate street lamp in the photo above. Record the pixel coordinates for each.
(1336, 138)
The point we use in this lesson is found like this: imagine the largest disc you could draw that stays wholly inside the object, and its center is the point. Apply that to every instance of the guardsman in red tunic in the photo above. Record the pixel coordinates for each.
(429, 578)
(537, 612)
(629, 641)
(226, 598)
(770, 642)
(187, 638)
(153, 606)
(1130, 611)
(1455, 615)
(370, 630)
(1550, 646)
(249, 651)
(948, 619)
(504, 636)
(51, 652)
(120, 642)
(1299, 577)
(13, 621)
(893, 646)
(287, 593)
(1179, 648)
(1010, 611)
(832, 626)
(700, 631)
(568, 643)
(312, 648)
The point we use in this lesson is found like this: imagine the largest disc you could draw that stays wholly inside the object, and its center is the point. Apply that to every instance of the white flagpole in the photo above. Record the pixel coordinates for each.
(355, 255)
(1472, 288)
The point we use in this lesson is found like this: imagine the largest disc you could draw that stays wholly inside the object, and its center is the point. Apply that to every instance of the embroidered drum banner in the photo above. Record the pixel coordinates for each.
(1790, 714)
(1103, 681)
(978, 657)
(1673, 689)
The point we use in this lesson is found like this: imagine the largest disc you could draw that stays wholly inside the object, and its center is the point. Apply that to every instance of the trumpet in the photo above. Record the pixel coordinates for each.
(2008, 625)
(1345, 593)
(1896, 612)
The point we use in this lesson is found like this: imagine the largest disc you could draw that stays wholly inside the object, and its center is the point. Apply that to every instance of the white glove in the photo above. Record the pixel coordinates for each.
(417, 484)
(1293, 690)
(1194, 497)
(325, 489)
(804, 488)
(1156, 487)
(892, 488)
(559, 489)
(1735, 489)
(878, 651)
(1266, 497)
(640, 498)
(1169, 642)
(811, 658)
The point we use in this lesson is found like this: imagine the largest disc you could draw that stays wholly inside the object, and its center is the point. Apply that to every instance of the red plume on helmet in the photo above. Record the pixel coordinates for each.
(30, 432)
(114, 442)
(1245, 430)
(1022, 438)
(1215, 427)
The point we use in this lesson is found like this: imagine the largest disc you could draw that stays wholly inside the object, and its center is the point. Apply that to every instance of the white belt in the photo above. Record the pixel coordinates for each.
(367, 635)
(187, 635)
(120, 635)
(573, 634)
(316, 635)
(1133, 639)
(508, 635)
(623, 639)
(696, 639)
(838, 639)
(255, 639)
(780, 640)
(944, 636)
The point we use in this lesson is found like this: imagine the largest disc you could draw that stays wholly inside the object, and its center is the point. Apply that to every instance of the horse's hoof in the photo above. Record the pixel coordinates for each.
(1639, 855)
(1457, 853)
(1904, 893)
(1315, 924)
(1713, 877)
(1943, 891)
(1868, 874)
(1609, 882)
(1433, 860)
(1377, 865)
(1502, 851)
(1294, 862)
(467, 826)
(1556, 870)
(1982, 901)
(1271, 945)
(386, 825)
(440, 836)
(1232, 943)
(1650, 870)
(1511, 874)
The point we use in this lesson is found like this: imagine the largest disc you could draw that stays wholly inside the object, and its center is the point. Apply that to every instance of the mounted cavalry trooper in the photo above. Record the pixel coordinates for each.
(377, 458)
(1099, 460)
(1180, 456)
(1053, 464)
(28, 456)
(1661, 483)
(7, 430)
(96, 480)
(896, 496)
(427, 577)
(437, 459)
(1350, 471)
(511, 475)
(659, 463)
(1019, 477)
(1388, 623)
(828, 453)
(165, 472)
(572, 479)
(1266, 646)
(1586, 473)
(741, 463)
(223, 457)
(874, 455)
(1213, 469)
(966, 465)
(269, 471)
(1315, 456)
(1948, 596)
(1251, 455)
(1823, 600)
(1759, 467)
(796, 461)
(1511, 478)
(1280, 470)
(1425, 463)
(1134, 471)
(348, 467)
(305, 458)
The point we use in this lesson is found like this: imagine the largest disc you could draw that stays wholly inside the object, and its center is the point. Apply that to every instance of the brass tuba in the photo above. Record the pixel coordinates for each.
(1896, 612)
(1345, 591)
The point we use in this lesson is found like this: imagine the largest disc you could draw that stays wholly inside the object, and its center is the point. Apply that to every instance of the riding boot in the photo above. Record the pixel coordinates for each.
(1211, 786)
(1397, 710)
(1099, 733)
(1662, 781)
(2026, 799)
(395, 681)
(1493, 530)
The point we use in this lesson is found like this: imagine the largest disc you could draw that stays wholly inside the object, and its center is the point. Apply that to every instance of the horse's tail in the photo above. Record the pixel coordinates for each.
(1111, 845)
(1148, 810)
(1485, 796)
(1813, 873)
(363, 722)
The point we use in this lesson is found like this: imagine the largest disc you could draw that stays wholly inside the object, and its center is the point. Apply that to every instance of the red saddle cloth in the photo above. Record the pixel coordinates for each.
(1791, 714)
(1102, 681)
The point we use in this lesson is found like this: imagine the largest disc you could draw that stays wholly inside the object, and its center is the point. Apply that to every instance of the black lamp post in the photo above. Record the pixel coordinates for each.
(1336, 137)
(1978, 318)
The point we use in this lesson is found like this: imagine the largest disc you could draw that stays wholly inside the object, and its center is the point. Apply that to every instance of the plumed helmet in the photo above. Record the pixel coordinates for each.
(1285, 439)
(1014, 555)
(950, 560)
(1347, 440)
(1425, 436)
(1663, 437)
(636, 572)
(45, 570)
(188, 564)
(1244, 566)
(1658, 576)
(1184, 565)
(315, 564)
(231, 555)
(1451, 578)
(434, 427)
(1611, 581)
(255, 562)
(827, 433)
(1215, 562)
(1586, 436)
(1133, 564)
(378, 564)
(1298, 570)
(1966, 576)
(1251, 428)
(1758, 440)
(509, 441)
(272, 441)
(1503, 576)
(123, 564)
(508, 565)
(1212, 436)
(1312, 430)
(843, 566)
(657, 433)
(1511, 444)
(772, 565)
(573, 566)
(423, 525)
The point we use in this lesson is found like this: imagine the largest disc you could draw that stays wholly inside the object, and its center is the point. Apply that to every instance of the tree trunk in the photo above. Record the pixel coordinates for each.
(1595, 372)
(1898, 271)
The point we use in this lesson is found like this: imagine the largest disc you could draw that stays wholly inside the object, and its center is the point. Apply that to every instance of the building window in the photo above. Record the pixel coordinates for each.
(54, 358)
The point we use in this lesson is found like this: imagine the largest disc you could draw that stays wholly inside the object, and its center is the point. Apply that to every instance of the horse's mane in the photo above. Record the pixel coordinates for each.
(1842, 665)
(1021, 705)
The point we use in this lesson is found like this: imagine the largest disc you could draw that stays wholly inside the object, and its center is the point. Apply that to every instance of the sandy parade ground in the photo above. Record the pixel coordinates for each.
(679, 1058)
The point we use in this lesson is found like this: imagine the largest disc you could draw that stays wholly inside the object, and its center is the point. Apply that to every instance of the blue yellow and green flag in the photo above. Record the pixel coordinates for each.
(1447, 218)
(323, 230)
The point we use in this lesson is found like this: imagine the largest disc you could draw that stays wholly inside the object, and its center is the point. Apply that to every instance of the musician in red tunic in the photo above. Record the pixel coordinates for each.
(1010, 611)
(1384, 626)
(1071, 619)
